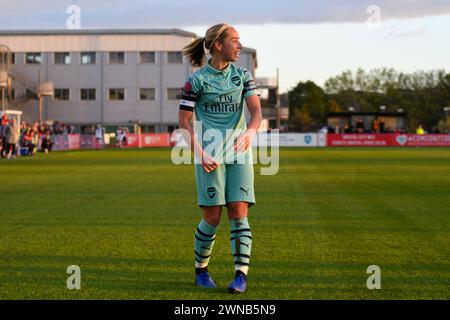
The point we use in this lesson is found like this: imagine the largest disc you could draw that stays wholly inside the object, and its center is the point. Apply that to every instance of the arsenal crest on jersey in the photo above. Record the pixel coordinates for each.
(236, 80)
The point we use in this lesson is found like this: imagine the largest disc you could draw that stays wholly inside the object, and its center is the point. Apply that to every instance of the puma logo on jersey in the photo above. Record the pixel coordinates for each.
(245, 190)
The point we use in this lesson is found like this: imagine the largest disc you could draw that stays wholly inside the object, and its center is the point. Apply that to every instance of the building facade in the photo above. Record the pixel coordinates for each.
(112, 77)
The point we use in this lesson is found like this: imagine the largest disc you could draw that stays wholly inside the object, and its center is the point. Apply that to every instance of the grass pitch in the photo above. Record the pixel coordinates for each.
(127, 219)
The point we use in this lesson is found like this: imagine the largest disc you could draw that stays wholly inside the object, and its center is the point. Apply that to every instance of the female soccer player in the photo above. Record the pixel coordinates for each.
(215, 94)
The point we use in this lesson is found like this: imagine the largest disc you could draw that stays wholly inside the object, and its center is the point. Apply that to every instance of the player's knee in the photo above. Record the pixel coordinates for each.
(212, 215)
(212, 219)
(237, 210)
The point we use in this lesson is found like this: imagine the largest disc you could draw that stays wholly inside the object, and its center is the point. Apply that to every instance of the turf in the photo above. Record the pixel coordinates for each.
(127, 219)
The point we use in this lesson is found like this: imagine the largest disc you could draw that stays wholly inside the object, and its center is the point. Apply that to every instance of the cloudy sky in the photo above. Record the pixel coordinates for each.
(306, 40)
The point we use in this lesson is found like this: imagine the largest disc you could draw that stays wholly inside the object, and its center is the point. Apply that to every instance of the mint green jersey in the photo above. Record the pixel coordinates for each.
(217, 98)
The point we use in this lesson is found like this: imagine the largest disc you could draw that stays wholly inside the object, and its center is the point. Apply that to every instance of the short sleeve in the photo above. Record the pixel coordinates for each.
(250, 87)
(189, 94)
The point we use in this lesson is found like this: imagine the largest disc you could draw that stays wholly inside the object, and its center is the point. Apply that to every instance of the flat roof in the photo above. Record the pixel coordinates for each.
(96, 32)
(50, 32)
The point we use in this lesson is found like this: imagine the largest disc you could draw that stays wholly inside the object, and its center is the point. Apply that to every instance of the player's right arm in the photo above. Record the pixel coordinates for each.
(185, 122)
(190, 95)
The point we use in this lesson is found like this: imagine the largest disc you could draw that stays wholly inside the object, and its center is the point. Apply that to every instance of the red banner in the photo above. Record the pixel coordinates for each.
(425, 140)
(148, 140)
(388, 140)
(155, 140)
(359, 140)
(132, 140)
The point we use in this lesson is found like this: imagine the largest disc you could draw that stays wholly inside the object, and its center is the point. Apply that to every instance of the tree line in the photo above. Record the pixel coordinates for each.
(423, 95)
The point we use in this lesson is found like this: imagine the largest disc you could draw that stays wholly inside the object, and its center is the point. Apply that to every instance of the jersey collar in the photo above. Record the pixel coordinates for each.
(213, 70)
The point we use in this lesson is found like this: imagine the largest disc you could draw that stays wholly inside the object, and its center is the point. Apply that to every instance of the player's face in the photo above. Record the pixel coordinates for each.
(231, 46)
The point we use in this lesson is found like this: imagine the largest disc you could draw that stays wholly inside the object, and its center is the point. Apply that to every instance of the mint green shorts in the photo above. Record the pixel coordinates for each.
(227, 183)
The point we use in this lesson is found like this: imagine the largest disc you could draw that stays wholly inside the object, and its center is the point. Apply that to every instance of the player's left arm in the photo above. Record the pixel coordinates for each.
(245, 140)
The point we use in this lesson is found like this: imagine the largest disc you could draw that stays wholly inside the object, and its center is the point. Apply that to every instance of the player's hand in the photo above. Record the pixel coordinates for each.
(244, 141)
(208, 162)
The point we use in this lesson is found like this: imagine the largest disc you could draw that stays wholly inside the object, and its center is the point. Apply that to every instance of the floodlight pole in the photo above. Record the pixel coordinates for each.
(277, 106)
(39, 108)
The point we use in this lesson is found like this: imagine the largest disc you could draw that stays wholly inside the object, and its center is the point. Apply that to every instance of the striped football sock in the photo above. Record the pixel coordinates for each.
(203, 244)
(241, 244)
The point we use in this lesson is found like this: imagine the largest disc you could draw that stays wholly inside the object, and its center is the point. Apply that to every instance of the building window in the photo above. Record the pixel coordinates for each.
(117, 57)
(147, 57)
(174, 57)
(147, 94)
(33, 58)
(62, 58)
(116, 94)
(174, 93)
(87, 94)
(13, 58)
(62, 94)
(88, 58)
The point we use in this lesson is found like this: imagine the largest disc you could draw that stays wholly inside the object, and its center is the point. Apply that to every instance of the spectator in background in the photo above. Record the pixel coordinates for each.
(57, 127)
(99, 135)
(34, 141)
(347, 129)
(118, 140)
(12, 138)
(3, 125)
(382, 126)
(125, 133)
(360, 126)
(26, 140)
(121, 137)
(323, 130)
(420, 130)
(42, 128)
(336, 130)
(375, 126)
(47, 142)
